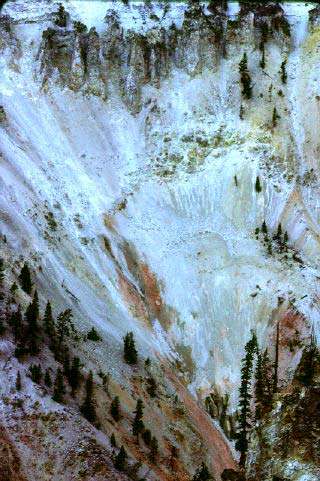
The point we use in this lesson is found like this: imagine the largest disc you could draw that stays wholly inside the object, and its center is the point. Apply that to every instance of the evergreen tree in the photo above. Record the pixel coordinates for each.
(18, 382)
(59, 388)
(31, 316)
(258, 185)
(64, 327)
(241, 112)
(66, 362)
(2, 328)
(275, 118)
(1, 272)
(284, 75)
(115, 409)
(48, 321)
(151, 387)
(146, 436)
(245, 78)
(25, 279)
(36, 373)
(264, 228)
(113, 441)
(259, 388)
(279, 232)
(120, 461)
(138, 425)
(129, 347)
(74, 376)
(88, 409)
(245, 397)
(202, 474)
(154, 449)
(47, 378)
(285, 241)
(93, 335)
(309, 366)
(14, 288)
(61, 16)
(263, 60)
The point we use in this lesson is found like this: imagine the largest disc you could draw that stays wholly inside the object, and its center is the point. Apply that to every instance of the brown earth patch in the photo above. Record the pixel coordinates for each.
(10, 464)
(133, 299)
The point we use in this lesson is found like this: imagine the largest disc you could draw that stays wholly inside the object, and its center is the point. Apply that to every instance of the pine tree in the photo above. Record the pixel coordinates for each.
(258, 185)
(245, 397)
(25, 279)
(129, 347)
(36, 373)
(151, 387)
(284, 75)
(113, 441)
(48, 321)
(47, 378)
(147, 436)
(74, 376)
(241, 112)
(285, 241)
(275, 118)
(66, 361)
(14, 288)
(59, 388)
(93, 335)
(264, 228)
(154, 449)
(259, 388)
(64, 327)
(309, 365)
(1, 272)
(115, 409)
(279, 232)
(88, 409)
(138, 425)
(245, 78)
(31, 316)
(120, 461)
(61, 16)
(18, 382)
(202, 474)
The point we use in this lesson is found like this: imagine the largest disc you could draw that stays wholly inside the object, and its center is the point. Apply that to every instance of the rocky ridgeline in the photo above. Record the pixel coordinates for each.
(87, 61)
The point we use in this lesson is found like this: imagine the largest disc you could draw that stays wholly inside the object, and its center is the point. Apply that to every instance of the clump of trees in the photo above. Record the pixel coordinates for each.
(277, 241)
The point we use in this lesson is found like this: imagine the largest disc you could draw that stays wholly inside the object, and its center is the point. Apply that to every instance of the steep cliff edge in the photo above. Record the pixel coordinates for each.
(130, 159)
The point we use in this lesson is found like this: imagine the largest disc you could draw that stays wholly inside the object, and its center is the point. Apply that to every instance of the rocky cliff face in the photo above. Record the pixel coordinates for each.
(129, 166)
